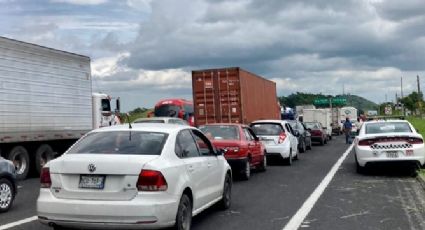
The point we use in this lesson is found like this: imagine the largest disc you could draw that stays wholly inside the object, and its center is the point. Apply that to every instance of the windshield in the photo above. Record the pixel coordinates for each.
(222, 132)
(270, 129)
(167, 111)
(312, 126)
(388, 127)
(121, 142)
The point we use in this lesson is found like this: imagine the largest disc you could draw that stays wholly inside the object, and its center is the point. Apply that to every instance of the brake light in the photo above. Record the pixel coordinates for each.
(45, 180)
(232, 149)
(415, 141)
(282, 138)
(366, 142)
(151, 181)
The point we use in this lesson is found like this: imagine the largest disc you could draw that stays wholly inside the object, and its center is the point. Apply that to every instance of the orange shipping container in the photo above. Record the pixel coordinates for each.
(232, 95)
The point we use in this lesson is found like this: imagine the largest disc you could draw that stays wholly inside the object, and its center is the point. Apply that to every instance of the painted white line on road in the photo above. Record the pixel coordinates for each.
(305, 209)
(19, 222)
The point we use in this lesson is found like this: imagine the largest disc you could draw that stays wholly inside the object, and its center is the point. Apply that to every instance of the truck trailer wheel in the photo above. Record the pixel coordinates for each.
(43, 155)
(20, 158)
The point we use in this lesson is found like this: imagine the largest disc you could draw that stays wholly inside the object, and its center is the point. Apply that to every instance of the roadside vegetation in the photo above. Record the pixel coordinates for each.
(136, 113)
(419, 124)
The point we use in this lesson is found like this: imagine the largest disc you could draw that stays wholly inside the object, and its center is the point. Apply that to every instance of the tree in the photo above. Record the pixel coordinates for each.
(413, 101)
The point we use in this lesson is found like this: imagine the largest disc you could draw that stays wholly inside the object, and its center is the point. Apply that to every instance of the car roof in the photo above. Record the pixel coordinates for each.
(386, 121)
(148, 127)
(156, 119)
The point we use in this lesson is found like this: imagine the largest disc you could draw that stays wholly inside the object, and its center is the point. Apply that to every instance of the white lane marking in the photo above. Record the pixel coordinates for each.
(305, 209)
(19, 222)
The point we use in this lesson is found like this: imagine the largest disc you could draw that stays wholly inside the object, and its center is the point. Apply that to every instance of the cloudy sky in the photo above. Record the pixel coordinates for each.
(144, 50)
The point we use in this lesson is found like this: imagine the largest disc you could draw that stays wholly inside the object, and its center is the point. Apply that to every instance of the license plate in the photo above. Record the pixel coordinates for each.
(392, 154)
(409, 152)
(92, 181)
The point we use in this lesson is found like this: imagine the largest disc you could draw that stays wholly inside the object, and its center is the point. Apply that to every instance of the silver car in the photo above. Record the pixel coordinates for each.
(8, 188)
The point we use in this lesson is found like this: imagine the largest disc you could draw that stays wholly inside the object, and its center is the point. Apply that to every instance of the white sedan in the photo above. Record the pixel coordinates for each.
(388, 141)
(144, 176)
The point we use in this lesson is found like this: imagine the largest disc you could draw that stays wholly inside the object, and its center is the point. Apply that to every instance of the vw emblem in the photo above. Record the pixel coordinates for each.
(92, 168)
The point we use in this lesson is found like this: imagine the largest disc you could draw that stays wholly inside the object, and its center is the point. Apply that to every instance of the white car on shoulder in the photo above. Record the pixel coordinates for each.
(279, 139)
(388, 141)
(140, 177)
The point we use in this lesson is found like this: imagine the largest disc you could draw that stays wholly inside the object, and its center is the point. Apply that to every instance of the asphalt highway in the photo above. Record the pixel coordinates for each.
(383, 199)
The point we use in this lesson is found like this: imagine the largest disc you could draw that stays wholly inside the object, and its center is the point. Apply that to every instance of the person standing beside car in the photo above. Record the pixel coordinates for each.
(347, 130)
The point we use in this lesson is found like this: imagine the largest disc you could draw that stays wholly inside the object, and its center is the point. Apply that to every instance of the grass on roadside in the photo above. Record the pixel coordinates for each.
(419, 124)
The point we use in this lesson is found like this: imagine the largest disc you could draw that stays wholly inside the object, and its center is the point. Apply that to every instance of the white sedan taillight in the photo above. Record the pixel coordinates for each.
(45, 180)
(282, 138)
(151, 181)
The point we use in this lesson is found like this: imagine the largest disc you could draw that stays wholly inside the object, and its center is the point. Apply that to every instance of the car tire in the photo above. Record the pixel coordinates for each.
(226, 199)
(7, 194)
(246, 172)
(359, 169)
(322, 142)
(58, 227)
(330, 137)
(309, 145)
(263, 164)
(184, 214)
(43, 155)
(288, 161)
(325, 141)
(20, 158)
(303, 147)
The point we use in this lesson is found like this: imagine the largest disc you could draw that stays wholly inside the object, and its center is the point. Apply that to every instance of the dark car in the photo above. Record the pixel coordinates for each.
(303, 135)
(318, 133)
(8, 188)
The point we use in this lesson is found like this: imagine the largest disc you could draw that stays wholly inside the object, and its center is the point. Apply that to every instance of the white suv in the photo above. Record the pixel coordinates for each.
(279, 139)
(145, 176)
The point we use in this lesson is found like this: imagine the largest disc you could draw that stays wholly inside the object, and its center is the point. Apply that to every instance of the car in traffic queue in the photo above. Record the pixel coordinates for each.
(279, 139)
(137, 176)
(303, 135)
(392, 141)
(243, 149)
(163, 120)
(8, 186)
(318, 134)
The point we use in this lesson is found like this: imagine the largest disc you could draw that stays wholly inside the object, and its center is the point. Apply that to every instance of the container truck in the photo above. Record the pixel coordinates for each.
(319, 115)
(46, 103)
(233, 95)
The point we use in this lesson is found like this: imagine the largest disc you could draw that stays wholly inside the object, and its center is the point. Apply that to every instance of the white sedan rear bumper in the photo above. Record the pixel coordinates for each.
(365, 154)
(145, 211)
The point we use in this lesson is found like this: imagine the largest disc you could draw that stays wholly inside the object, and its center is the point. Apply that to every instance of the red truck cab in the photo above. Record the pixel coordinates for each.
(180, 108)
(243, 150)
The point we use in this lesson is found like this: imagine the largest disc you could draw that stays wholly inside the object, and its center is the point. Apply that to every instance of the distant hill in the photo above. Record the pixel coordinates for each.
(300, 98)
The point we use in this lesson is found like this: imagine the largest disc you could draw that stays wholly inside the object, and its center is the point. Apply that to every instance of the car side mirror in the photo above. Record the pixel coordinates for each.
(220, 152)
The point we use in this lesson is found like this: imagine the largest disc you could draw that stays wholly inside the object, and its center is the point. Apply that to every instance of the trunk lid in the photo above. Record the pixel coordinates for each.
(115, 176)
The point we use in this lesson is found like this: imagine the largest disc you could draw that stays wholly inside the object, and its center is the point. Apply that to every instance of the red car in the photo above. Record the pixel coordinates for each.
(318, 133)
(180, 108)
(243, 150)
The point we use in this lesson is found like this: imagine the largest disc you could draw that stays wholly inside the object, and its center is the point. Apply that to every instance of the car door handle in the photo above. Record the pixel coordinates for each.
(191, 168)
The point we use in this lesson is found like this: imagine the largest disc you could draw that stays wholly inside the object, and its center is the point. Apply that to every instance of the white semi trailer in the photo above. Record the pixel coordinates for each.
(46, 103)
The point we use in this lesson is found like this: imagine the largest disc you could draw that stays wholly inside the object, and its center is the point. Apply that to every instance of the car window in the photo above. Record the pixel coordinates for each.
(289, 128)
(203, 144)
(388, 127)
(248, 136)
(149, 121)
(121, 142)
(186, 146)
(272, 129)
(313, 125)
(221, 132)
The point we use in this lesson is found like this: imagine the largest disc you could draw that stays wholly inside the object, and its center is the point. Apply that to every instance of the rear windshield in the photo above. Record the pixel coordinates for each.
(388, 127)
(312, 125)
(221, 132)
(121, 142)
(271, 129)
(149, 121)
(167, 111)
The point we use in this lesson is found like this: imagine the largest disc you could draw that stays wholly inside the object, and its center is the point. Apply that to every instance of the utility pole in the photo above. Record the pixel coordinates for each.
(401, 86)
(419, 84)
